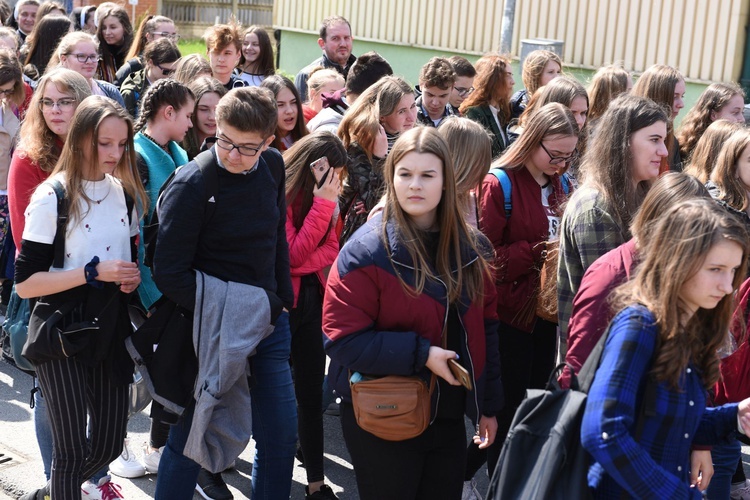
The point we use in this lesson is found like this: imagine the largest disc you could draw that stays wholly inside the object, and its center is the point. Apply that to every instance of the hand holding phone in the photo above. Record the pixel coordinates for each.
(461, 373)
(327, 183)
(321, 170)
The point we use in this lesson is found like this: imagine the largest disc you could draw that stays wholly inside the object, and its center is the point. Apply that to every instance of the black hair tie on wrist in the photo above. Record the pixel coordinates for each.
(91, 273)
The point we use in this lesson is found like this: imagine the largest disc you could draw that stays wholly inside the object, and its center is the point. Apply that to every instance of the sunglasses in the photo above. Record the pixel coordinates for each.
(165, 71)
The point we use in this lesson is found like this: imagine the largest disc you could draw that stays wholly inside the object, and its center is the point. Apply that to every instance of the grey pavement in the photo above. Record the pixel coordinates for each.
(24, 471)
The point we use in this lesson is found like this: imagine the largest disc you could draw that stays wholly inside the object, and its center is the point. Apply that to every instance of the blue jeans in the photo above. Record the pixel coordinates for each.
(43, 431)
(725, 457)
(274, 416)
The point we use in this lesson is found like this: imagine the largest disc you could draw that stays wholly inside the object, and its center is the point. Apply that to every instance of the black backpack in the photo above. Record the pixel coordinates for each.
(207, 166)
(542, 457)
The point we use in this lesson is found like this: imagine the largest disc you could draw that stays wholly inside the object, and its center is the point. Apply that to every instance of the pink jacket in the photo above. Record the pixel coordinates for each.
(307, 254)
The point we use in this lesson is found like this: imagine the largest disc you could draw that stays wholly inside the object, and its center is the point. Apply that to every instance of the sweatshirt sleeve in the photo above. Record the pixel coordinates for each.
(23, 178)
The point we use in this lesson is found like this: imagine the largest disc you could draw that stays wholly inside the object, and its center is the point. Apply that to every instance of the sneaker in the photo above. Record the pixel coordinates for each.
(40, 494)
(90, 491)
(470, 491)
(212, 487)
(127, 465)
(108, 490)
(324, 493)
(151, 458)
(740, 491)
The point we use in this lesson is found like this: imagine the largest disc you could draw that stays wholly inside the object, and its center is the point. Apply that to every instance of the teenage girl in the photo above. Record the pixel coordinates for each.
(166, 116)
(539, 68)
(471, 150)
(366, 146)
(489, 103)
(411, 281)
(665, 86)
(313, 245)
(151, 28)
(647, 406)
(42, 41)
(321, 81)
(706, 151)
(608, 83)
(719, 101)
(159, 59)
(623, 158)
(115, 33)
(256, 61)
(207, 91)
(99, 265)
(79, 51)
(520, 240)
(291, 121)
(189, 68)
(730, 180)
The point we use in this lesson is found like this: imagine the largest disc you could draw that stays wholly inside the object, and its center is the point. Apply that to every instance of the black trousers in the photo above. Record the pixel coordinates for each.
(308, 367)
(74, 391)
(526, 361)
(430, 465)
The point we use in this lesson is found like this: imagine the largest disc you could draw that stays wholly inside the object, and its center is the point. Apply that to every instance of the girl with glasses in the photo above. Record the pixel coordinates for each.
(520, 224)
(151, 28)
(79, 51)
(623, 158)
(489, 103)
(160, 57)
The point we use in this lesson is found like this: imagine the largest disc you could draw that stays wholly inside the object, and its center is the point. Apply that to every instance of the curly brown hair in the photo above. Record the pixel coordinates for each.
(438, 72)
(491, 86)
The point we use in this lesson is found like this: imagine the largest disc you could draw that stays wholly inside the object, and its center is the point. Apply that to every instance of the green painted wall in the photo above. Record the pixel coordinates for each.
(298, 49)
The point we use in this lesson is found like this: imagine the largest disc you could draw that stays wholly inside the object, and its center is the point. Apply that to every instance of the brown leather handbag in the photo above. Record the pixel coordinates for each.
(394, 407)
(546, 302)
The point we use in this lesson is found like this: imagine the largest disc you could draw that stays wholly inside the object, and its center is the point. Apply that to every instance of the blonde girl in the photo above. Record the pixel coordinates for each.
(539, 68)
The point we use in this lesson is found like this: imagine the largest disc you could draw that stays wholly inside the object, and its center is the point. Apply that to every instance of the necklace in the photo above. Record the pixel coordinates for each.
(154, 141)
(100, 200)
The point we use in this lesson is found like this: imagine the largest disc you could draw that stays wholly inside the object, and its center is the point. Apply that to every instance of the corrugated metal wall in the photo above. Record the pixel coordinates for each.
(703, 38)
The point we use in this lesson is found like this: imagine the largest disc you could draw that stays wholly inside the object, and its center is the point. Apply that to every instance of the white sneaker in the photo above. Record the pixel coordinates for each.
(740, 491)
(151, 458)
(470, 491)
(127, 465)
(89, 491)
(108, 490)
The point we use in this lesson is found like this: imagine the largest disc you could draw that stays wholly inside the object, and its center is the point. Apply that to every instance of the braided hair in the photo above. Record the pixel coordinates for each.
(164, 92)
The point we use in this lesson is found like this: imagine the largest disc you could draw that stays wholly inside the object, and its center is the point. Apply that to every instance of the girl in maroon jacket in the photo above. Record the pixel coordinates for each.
(527, 343)
(310, 218)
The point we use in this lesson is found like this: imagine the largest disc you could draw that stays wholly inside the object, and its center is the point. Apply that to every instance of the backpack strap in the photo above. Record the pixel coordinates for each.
(565, 181)
(505, 184)
(62, 223)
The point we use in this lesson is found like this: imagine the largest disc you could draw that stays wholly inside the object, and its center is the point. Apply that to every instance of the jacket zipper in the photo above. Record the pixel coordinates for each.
(473, 375)
(445, 323)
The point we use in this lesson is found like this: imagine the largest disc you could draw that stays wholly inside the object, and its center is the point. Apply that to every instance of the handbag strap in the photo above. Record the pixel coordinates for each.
(62, 224)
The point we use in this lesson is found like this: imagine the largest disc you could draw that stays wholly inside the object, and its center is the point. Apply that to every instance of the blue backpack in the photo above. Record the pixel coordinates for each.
(502, 177)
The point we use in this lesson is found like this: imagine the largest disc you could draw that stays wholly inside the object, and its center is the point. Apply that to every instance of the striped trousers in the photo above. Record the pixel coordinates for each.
(73, 392)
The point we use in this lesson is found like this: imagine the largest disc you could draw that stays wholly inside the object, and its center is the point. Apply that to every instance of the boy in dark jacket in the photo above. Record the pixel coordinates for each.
(436, 80)
(244, 242)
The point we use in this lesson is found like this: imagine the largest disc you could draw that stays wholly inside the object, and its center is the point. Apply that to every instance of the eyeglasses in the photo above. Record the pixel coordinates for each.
(243, 150)
(7, 93)
(164, 34)
(557, 160)
(165, 71)
(62, 104)
(463, 92)
(84, 58)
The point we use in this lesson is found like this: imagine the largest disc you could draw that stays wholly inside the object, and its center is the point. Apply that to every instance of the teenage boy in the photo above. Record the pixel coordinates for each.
(243, 241)
(465, 74)
(336, 42)
(436, 80)
(224, 48)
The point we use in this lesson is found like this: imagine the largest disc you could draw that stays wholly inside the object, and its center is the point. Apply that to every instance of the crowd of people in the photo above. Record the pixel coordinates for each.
(454, 237)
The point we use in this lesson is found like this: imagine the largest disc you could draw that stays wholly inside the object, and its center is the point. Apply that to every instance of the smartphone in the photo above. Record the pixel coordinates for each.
(320, 169)
(461, 373)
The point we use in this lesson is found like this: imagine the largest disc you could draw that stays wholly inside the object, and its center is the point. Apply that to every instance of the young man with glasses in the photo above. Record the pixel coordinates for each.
(244, 243)
(465, 74)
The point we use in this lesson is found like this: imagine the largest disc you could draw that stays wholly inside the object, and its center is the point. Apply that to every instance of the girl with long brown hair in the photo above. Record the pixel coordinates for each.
(312, 197)
(706, 151)
(291, 122)
(729, 183)
(608, 83)
(410, 291)
(661, 357)
(489, 103)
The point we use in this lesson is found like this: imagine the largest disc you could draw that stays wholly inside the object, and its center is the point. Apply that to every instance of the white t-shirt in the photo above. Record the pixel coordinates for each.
(102, 231)
(252, 80)
(552, 217)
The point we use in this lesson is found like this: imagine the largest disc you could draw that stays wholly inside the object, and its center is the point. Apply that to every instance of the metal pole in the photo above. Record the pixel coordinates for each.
(506, 33)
